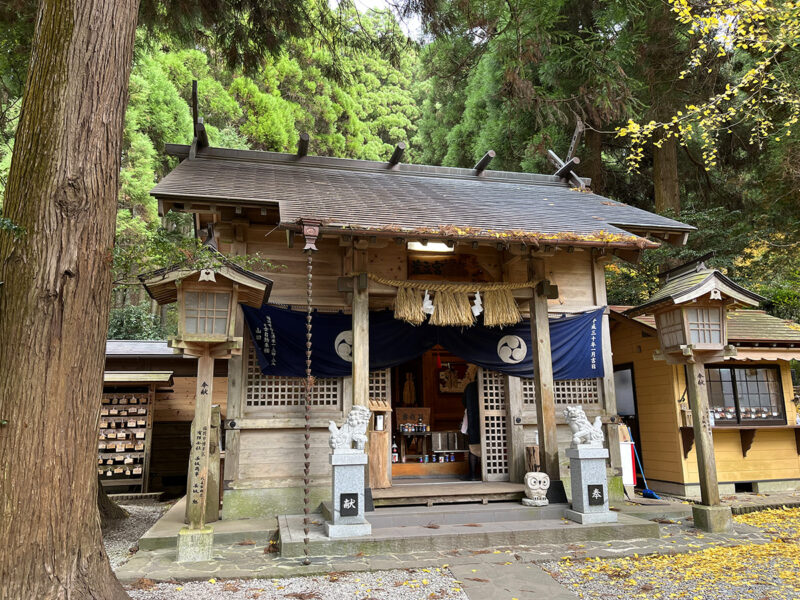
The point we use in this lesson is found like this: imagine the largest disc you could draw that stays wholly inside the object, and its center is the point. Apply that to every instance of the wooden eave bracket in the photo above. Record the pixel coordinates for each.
(746, 436)
(547, 289)
(687, 440)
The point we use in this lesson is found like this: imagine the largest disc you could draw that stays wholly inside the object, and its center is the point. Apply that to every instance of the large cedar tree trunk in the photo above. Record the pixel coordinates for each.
(54, 302)
(665, 176)
(594, 168)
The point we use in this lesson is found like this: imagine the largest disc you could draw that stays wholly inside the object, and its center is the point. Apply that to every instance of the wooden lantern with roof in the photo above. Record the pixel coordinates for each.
(691, 321)
(690, 312)
(208, 300)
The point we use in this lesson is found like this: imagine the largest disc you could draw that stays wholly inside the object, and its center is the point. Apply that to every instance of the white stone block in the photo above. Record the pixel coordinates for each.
(195, 545)
(579, 517)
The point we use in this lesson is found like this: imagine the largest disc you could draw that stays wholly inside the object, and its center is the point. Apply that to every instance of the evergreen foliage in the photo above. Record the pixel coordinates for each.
(512, 76)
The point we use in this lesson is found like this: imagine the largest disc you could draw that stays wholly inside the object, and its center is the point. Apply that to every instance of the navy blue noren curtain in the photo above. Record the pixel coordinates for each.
(279, 336)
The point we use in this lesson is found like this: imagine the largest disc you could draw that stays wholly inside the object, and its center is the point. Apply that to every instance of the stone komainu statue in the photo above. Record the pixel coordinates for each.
(353, 431)
(584, 433)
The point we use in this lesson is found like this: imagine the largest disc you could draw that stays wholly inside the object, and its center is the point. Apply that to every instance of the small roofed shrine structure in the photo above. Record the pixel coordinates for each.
(424, 279)
(208, 299)
(691, 320)
(753, 405)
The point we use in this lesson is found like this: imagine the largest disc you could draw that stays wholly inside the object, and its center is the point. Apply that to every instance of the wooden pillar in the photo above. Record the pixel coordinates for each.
(543, 374)
(236, 389)
(236, 402)
(212, 496)
(516, 431)
(703, 438)
(360, 331)
(197, 492)
(361, 348)
(609, 392)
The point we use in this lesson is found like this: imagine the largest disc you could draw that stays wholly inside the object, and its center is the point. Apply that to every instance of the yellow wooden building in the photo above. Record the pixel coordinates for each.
(751, 400)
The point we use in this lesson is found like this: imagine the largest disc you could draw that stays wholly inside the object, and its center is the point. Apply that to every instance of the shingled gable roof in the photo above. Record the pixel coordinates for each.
(413, 200)
(693, 284)
(744, 326)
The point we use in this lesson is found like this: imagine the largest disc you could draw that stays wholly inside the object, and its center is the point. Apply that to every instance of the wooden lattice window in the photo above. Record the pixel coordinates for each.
(287, 393)
(565, 391)
(380, 384)
(705, 325)
(670, 328)
(577, 391)
(528, 392)
(206, 312)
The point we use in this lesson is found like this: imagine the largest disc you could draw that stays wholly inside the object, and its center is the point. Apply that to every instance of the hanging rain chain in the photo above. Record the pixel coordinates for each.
(310, 232)
(307, 406)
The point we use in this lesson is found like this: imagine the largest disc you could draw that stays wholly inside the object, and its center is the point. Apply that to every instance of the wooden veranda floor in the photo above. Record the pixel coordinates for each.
(436, 491)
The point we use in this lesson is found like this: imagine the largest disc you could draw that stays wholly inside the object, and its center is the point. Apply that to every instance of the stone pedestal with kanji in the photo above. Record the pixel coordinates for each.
(589, 486)
(348, 495)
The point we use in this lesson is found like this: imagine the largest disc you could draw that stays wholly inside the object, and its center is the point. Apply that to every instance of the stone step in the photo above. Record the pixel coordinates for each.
(449, 536)
(164, 533)
(395, 516)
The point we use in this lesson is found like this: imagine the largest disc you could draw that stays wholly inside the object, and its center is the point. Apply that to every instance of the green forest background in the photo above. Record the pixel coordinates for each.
(452, 95)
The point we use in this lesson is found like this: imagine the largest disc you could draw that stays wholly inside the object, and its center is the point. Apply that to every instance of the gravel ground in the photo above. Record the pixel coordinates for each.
(766, 571)
(400, 584)
(122, 537)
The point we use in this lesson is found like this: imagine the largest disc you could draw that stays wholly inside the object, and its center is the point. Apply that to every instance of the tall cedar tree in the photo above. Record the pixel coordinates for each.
(54, 302)
(56, 277)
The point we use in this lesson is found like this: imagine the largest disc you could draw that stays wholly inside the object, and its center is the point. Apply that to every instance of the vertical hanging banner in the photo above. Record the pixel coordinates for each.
(279, 338)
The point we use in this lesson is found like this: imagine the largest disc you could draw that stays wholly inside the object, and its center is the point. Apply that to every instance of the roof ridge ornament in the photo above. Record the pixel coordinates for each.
(302, 145)
(691, 266)
(394, 159)
(481, 165)
(565, 168)
(199, 135)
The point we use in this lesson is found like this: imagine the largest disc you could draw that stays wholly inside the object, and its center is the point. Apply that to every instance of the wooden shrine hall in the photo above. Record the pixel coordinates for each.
(389, 236)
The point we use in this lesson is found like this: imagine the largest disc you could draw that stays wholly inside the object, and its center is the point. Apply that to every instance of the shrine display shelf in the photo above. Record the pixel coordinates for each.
(132, 453)
(133, 427)
(747, 434)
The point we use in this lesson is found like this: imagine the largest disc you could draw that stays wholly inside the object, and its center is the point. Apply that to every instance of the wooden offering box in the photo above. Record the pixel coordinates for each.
(379, 446)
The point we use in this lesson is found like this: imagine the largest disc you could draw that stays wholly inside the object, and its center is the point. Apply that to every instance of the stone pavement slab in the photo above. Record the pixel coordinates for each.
(254, 561)
(504, 580)
(750, 501)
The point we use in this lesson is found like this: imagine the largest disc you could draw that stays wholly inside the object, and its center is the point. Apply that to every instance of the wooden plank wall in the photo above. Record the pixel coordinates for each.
(277, 455)
(169, 457)
(572, 272)
(178, 405)
(656, 400)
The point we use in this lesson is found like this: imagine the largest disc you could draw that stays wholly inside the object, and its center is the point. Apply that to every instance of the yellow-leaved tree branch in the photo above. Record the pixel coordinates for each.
(765, 35)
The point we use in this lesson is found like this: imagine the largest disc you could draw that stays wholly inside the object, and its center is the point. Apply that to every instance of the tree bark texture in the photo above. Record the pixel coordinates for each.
(54, 302)
(665, 176)
(109, 510)
(594, 161)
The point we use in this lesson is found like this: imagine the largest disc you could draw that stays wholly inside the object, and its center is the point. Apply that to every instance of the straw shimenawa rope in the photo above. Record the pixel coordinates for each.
(451, 301)
(500, 309)
(450, 287)
(451, 308)
(408, 306)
